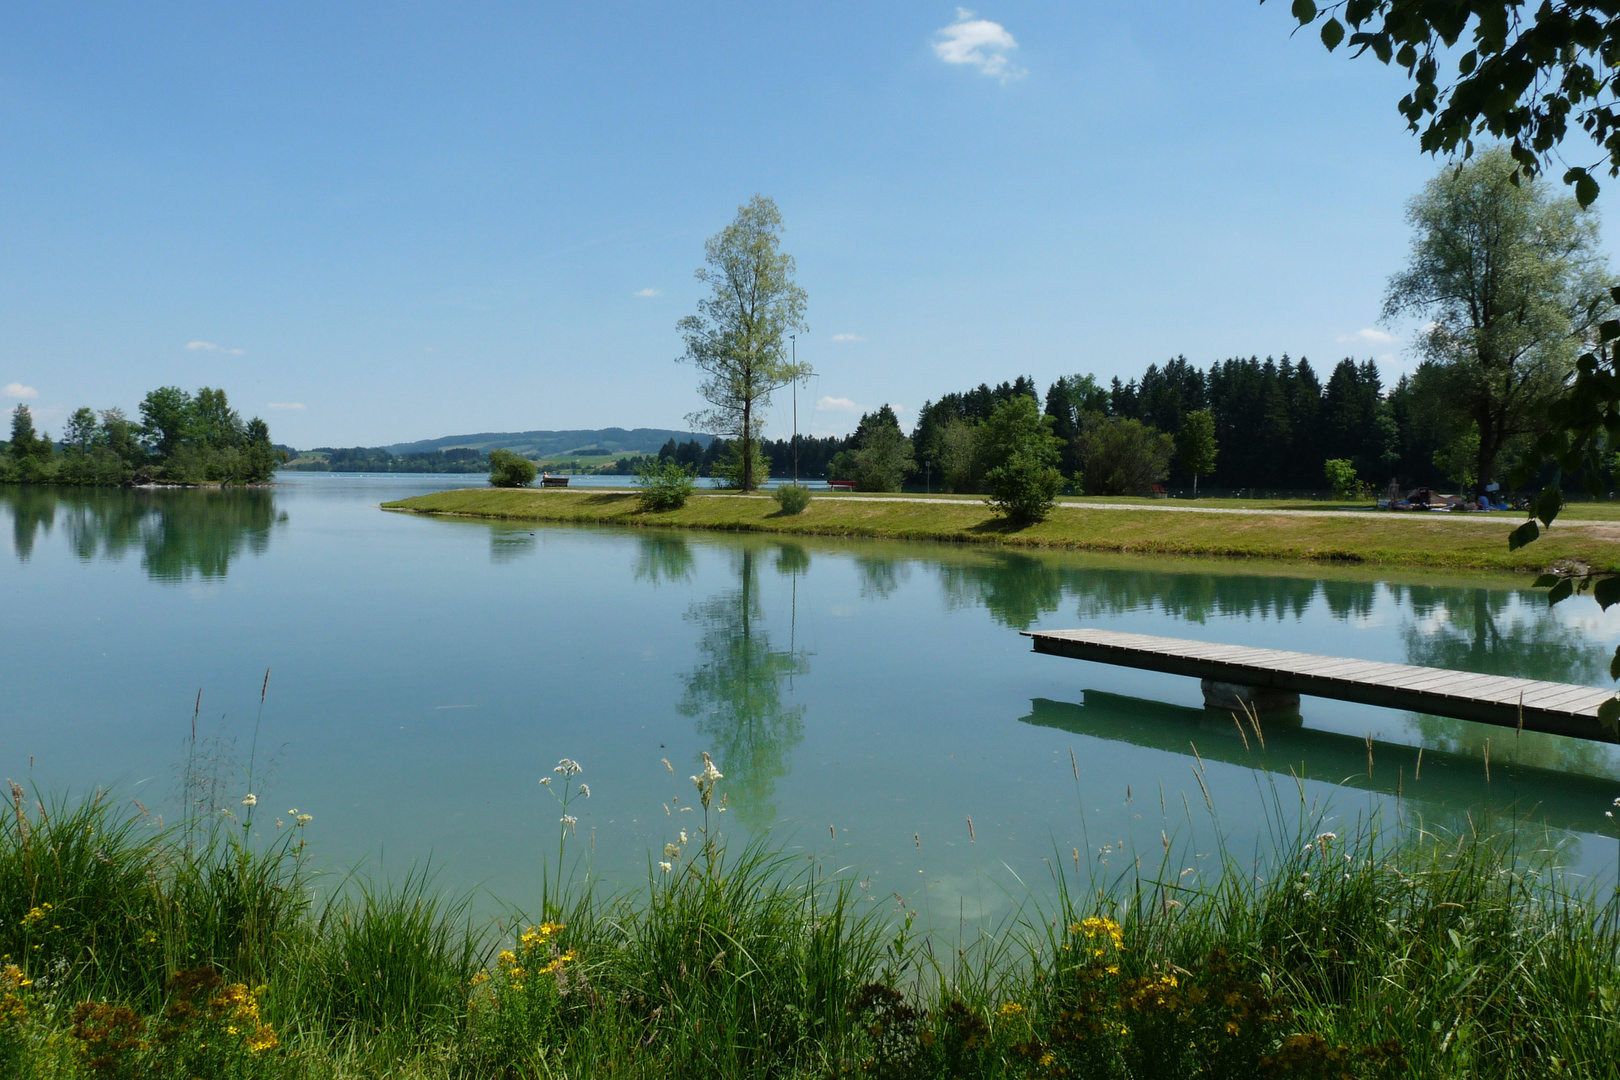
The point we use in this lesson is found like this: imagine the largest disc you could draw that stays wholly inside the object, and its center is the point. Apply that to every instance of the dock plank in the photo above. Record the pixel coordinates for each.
(1559, 708)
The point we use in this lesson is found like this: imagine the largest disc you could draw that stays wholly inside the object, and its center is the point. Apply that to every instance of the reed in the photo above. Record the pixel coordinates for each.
(1400, 951)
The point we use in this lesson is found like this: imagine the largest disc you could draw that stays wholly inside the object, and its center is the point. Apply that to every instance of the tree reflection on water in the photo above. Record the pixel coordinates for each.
(735, 692)
(179, 533)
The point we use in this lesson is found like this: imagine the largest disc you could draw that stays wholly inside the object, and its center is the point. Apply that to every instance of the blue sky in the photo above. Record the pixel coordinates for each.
(378, 222)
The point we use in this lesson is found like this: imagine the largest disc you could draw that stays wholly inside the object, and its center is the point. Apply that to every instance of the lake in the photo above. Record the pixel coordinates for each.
(864, 700)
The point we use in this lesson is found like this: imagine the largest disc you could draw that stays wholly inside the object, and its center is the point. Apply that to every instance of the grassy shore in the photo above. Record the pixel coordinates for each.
(1412, 540)
(134, 951)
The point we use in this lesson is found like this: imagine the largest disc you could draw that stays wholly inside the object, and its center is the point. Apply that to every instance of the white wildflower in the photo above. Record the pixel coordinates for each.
(545, 781)
(666, 867)
(566, 767)
(585, 790)
(671, 851)
(568, 819)
(683, 836)
(250, 799)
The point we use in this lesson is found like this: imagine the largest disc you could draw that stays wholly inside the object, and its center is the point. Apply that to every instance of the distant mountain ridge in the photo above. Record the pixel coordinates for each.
(552, 443)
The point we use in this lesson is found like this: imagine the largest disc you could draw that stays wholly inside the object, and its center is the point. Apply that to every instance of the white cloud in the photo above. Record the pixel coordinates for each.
(978, 43)
(1370, 335)
(649, 292)
(286, 405)
(838, 404)
(848, 337)
(209, 346)
(18, 390)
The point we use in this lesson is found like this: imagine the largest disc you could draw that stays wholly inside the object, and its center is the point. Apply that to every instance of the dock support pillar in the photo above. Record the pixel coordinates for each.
(1235, 697)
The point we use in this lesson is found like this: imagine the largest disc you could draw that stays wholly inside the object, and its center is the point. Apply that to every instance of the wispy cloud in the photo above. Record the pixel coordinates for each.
(209, 346)
(19, 391)
(649, 292)
(1370, 336)
(848, 337)
(838, 404)
(977, 43)
(285, 405)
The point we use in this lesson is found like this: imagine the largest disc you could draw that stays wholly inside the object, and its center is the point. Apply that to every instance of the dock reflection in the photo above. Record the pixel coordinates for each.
(1448, 781)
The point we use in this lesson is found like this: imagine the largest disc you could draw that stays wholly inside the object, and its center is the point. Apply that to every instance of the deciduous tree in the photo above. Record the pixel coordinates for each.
(738, 335)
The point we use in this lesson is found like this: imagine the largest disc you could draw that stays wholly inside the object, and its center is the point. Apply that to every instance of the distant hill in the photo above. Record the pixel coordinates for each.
(547, 444)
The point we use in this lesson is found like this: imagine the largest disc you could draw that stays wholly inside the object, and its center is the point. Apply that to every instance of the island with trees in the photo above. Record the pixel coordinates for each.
(180, 438)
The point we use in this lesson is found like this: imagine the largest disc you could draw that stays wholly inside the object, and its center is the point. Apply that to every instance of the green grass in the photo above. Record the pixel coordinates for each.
(1433, 540)
(1414, 954)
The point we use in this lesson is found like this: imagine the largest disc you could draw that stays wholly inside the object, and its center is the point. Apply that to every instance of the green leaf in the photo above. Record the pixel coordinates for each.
(1304, 11)
(1586, 189)
(1561, 591)
(1524, 534)
(1607, 591)
(1548, 505)
(1332, 34)
(1609, 329)
(1609, 714)
(1614, 665)
(1545, 581)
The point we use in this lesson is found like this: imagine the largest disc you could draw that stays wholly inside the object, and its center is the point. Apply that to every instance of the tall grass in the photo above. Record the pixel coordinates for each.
(1407, 952)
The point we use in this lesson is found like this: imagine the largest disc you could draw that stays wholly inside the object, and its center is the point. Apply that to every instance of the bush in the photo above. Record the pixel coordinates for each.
(1122, 456)
(665, 485)
(1341, 473)
(1024, 488)
(507, 469)
(792, 498)
(729, 468)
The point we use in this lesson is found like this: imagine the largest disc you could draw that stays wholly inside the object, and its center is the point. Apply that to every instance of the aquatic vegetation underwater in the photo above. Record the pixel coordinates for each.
(135, 950)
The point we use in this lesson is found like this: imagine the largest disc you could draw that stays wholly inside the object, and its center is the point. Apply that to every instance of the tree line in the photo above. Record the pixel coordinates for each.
(181, 438)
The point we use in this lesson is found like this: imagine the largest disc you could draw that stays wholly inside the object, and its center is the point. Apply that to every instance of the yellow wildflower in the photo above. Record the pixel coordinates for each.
(507, 958)
(35, 916)
(1011, 1008)
(481, 978)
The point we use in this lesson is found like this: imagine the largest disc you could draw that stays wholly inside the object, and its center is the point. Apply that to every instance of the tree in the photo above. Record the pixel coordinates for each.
(736, 338)
(1020, 456)
(1196, 444)
(1512, 282)
(1068, 400)
(1521, 76)
(83, 431)
(880, 456)
(1124, 456)
(165, 416)
(507, 469)
(22, 432)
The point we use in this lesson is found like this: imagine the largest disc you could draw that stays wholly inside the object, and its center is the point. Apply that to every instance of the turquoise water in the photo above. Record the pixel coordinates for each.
(863, 699)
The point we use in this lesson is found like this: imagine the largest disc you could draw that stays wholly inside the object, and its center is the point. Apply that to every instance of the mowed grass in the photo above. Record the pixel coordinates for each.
(1418, 540)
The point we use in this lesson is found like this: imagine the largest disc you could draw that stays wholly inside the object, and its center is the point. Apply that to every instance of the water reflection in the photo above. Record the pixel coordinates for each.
(1444, 784)
(178, 533)
(735, 691)
(663, 557)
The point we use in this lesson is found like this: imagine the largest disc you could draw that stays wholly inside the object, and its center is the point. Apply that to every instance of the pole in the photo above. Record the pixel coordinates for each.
(794, 338)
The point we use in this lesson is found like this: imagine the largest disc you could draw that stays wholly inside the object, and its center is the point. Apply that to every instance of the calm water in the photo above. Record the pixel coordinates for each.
(862, 699)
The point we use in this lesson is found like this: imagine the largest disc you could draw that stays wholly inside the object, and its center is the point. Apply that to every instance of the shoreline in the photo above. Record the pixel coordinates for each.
(1336, 537)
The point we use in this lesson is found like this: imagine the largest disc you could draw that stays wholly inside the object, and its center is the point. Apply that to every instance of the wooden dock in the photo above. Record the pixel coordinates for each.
(1272, 674)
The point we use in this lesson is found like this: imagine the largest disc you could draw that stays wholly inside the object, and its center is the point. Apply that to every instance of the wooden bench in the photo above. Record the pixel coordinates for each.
(1159, 492)
(841, 485)
(553, 481)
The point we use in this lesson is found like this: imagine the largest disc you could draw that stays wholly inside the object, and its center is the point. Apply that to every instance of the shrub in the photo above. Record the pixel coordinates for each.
(1123, 456)
(729, 467)
(1024, 488)
(665, 485)
(507, 469)
(792, 498)
(1341, 473)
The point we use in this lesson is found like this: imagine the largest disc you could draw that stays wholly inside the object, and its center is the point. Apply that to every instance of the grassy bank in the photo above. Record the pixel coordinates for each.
(1379, 539)
(134, 951)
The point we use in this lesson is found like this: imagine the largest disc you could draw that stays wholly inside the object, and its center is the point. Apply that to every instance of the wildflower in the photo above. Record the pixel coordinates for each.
(480, 978)
(569, 820)
(1047, 1060)
(35, 916)
(507, 958)
(672, 851)
(1011, 1008)
(545, 781)
(666, 867)
(263, 1039)
(585, 790)
(565, 767)
(305, 819)
(683, 836)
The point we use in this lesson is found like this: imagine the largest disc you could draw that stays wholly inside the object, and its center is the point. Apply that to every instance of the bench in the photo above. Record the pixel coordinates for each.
(553, 481)
(841, 485)
(1159, 492)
